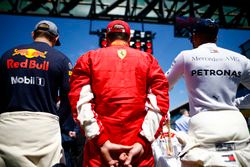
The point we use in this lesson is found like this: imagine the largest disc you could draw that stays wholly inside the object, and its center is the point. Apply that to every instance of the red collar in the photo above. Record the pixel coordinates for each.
(119, 43)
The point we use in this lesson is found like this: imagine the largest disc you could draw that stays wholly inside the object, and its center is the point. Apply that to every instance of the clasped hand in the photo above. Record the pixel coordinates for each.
(126, 153)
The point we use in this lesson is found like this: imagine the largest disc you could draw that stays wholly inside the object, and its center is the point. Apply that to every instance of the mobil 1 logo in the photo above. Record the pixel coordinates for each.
(31, 80)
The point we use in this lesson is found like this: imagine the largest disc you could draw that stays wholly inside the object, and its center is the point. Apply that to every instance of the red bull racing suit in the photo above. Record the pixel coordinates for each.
(115, 94)
(34, 70)
(32, 77)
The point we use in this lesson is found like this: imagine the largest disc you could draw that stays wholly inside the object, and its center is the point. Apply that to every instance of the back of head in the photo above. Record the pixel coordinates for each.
(206, 30)
(208, 26)
(47, 29)
(118, 30)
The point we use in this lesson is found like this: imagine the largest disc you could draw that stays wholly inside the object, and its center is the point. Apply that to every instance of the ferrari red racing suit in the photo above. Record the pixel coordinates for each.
(119, 94)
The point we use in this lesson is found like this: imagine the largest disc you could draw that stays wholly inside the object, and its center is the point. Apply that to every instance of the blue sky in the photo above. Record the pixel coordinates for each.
(76, 40)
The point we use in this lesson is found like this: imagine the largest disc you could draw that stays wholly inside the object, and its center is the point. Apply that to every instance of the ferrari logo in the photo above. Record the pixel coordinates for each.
(122, 53)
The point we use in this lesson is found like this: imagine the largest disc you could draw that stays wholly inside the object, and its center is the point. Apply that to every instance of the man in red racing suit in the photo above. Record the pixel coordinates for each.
(119, 96)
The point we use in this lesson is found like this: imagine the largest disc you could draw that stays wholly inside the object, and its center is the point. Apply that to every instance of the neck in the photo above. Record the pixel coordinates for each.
(119, 42)
(41, 39)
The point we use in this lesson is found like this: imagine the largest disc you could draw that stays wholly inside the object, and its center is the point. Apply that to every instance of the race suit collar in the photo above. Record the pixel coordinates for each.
(40, 43)
(208, 45)
(119, 43)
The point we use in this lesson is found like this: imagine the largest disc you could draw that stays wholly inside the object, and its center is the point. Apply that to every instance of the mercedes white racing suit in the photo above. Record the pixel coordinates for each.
(212, 75)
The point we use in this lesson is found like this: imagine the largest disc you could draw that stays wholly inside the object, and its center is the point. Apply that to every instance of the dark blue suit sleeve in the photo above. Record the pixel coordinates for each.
(65, 109)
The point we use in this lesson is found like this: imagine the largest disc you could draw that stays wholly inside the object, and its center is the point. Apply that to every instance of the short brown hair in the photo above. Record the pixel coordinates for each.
(118, 35)
(41, 33)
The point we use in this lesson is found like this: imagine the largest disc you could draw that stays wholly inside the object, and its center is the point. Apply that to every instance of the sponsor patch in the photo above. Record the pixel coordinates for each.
(30, 64)
(40, 81)
(229, 158)
(121, 53)
(29, 53)
(70, 66)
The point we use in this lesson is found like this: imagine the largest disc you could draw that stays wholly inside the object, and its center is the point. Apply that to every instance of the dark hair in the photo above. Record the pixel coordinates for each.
(207, 37)
(117, 35)
(41, 33)
(207, 29)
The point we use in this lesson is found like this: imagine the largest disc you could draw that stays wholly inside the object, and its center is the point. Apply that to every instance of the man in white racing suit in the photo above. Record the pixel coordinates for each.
(218, 133)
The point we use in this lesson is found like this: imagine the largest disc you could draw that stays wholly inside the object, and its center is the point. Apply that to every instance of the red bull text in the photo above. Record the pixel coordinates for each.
(29, 62)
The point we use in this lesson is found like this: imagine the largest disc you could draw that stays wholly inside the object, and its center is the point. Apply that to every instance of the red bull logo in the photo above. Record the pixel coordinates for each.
(31, 64)
(29, 53)
(28, 63)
